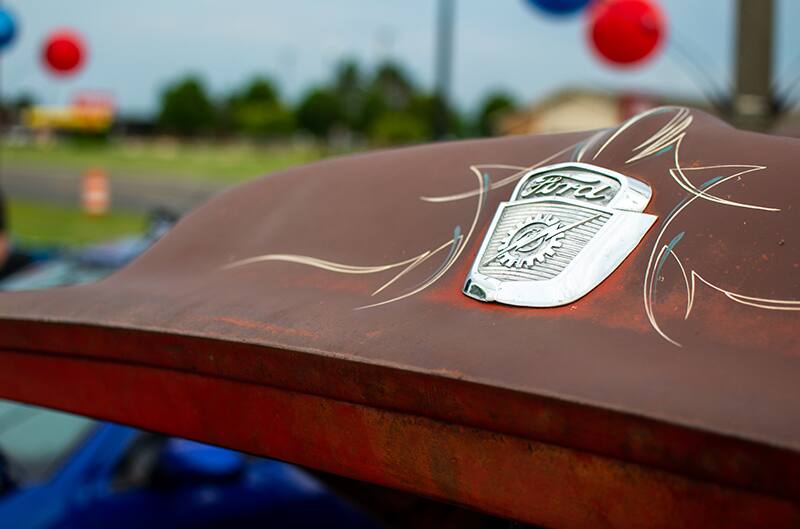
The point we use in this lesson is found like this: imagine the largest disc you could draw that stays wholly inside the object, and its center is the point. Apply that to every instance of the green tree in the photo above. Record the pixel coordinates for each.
(494, 106)
(349, 87)
(373, 107)
(389, 90)
(395, 128)
(425, 108)
(258, 112)
(186, 109)
(319, 112)
(260, 90)
(394, 85)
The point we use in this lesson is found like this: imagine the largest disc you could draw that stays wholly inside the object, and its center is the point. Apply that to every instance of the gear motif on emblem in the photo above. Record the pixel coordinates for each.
(531, 241)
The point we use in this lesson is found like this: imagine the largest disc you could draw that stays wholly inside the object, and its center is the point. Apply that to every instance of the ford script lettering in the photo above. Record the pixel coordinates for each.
(570, 186)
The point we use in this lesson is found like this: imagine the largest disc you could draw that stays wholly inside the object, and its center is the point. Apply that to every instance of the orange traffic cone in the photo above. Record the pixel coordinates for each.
(95, 192)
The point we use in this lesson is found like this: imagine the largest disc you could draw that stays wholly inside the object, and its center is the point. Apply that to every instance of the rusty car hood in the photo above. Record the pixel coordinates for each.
(685, 359)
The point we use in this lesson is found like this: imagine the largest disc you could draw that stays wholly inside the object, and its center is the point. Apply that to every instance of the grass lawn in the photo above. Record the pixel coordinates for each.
(228, 163)
(40, 223)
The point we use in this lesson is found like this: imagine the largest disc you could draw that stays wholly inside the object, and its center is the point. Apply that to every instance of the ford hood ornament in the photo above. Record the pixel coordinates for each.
(565, 229)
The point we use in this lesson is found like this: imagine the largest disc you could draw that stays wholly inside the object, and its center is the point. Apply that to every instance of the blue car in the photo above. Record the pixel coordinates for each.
(49, 267)
(62, 471)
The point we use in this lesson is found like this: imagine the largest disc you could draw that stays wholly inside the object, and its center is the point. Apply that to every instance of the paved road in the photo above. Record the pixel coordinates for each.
(127, 191)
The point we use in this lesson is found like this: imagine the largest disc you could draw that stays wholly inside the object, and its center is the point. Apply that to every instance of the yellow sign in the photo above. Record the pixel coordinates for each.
(83, 118)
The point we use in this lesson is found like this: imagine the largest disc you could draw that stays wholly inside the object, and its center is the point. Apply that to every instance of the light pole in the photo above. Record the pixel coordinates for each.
(754, 105)
(443, 67)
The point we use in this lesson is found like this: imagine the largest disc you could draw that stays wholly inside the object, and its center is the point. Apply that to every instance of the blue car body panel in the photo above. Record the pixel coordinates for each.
(81, 494)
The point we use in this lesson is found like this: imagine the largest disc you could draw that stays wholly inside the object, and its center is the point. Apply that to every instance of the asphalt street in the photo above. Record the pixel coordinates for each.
(132, 192)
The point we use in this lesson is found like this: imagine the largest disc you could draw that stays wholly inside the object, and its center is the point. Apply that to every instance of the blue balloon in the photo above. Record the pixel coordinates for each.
(8, 29)
(559, 7)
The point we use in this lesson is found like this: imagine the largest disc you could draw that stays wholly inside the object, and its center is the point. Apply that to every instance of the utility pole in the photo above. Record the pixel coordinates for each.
(754, 106)
(444, 66)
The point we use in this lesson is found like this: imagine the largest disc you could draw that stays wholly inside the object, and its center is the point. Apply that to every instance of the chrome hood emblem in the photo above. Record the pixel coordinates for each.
(565, 229)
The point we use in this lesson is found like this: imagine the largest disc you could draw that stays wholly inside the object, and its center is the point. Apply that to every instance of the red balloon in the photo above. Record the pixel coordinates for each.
(625, 32)
(63, 52)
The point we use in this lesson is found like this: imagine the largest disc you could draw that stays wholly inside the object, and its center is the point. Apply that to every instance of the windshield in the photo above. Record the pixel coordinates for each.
(35, 440)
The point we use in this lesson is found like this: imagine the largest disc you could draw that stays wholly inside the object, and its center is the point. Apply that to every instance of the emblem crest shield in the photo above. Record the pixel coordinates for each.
(565, 229)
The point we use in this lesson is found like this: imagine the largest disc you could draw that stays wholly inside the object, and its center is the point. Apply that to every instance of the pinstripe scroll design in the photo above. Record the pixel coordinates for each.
(454, 246)
(670, 137)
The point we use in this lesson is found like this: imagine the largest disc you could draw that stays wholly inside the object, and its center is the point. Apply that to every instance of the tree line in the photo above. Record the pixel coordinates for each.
(381, 106)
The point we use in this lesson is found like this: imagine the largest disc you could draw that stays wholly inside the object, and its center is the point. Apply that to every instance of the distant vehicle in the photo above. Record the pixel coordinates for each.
(84, 265)
(61, 471)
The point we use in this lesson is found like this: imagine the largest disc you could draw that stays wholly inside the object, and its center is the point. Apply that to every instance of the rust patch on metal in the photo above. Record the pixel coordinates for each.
(270, 328)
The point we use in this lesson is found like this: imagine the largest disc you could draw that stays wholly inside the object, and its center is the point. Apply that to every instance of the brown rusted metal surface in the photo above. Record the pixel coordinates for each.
(506, 475)
(622, 374)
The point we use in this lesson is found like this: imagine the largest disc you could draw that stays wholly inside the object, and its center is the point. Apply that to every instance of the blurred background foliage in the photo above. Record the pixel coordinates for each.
(384, 106)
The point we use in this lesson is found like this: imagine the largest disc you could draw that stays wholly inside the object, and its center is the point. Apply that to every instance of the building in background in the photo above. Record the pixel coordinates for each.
(575, 109)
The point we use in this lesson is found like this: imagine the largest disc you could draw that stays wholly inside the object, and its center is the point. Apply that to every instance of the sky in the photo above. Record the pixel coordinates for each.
(136, 48)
